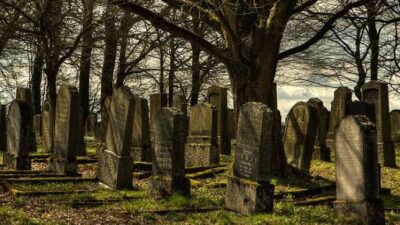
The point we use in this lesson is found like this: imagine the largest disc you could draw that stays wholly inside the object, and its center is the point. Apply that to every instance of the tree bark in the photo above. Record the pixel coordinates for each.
(374, 38)
(172, 69)
(162, 75)
(196, 68)
(36, 81)
(110, 52)
(86, 54)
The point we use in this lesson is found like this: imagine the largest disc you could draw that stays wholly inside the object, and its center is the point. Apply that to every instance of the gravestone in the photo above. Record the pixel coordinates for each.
(169, 158)
(395, 125)
(231, 124)
(376, 93)
(339, 109)
(105, 117)
(201, 150)
(3, 129)
(91, 125)
(157, 102)
(37, 127)
(26, 95)
(357, 172)
(248, 189)
(141, 144)
(217, 96)
(300, 134)
(46, 138)
(361, 108)
(179, 103)
(67, 133)
(19, 131)
(115, 166)
(321, 151)
(81, 147)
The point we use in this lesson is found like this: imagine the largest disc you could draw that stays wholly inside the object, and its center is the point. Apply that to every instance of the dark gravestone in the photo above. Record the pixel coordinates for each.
(91, 125)
(19, 131)
(141, 144)
(231, 124)
(201, 149)
(26, 95)
(358, 108)
(217, 96)
(321, 151)
(248, 190)
(67, 131)
(46, 138)
(357, 172)
(377, 93)
(3, 129)
(169, 158)
(105, 117)
(395, 125)
(81, 144)
(300, 134)
(115, 166)
(339, 108)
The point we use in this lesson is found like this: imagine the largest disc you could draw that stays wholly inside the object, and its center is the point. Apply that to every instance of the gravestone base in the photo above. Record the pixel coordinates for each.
(161, 187)
(115, 171)
(249, 197)
(142, 154)
(321, 153)
(386, 154)
(16, 163)
(224, 145)
(64, 167)
(370, 212)
(201, 155)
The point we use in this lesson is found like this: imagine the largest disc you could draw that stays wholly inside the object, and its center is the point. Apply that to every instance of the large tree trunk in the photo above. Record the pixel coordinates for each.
(86, 54)
(126, 25)
(172, 69)
(110, 52)
(36, 81)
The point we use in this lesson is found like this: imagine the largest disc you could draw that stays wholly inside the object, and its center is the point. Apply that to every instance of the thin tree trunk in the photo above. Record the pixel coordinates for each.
(126, 25)
(161, 79)
(374, 39)
(110, 52)
(36, 81)
(86, 54)
(172, 69)
(196, 70)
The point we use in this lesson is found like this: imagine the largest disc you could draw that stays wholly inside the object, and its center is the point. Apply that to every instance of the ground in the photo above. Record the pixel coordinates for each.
(89, 203)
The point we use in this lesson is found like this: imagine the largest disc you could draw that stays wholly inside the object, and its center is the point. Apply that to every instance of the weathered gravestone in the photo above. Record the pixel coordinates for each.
(3, 129)
(169, 158)
(376, 93)
(141, 144)
(46, 138)
(179, 103)
(217, 96)
(201, 149)
(115, 166)
(91, 125)
(357, 172)
(67, 133)
(339, 108)
(26, 95)
(19, 131)
(395, 125)
(300, 134)
(248, 190)
(157, 102)
(231, 124)
(37, 127)
(105, 117)
(321, 151)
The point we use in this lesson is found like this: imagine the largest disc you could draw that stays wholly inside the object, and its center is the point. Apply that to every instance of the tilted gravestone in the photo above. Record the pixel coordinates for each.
(105, 117)
(91, 125)
(395, 125)
(169, 158)
(217, 96)
(300, 134)
(321, 151)
(201, 148)
(376, 93)
(339, 108)
(3, 129)
(67, 132)
(115, 166)
(141, 144)
(46, 138)
(19, 135)
(26, 95)
(357, 172)
(248, 190)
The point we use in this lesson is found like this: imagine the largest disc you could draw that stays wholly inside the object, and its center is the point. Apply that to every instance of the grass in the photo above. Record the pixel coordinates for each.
(137, 206)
